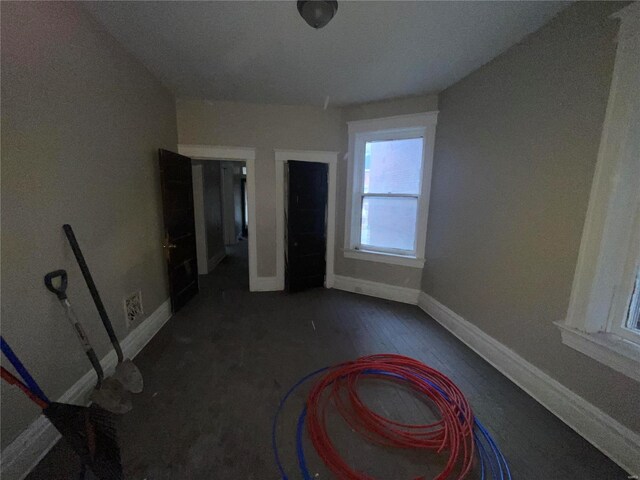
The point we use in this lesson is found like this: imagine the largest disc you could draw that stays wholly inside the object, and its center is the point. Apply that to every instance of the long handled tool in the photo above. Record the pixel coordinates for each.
(108, 393)
(126, 372)
(90, 431)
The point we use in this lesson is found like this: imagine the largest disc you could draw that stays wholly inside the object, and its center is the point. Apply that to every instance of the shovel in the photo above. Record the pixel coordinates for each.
(91, 431)
(126, 372)
(108, 393)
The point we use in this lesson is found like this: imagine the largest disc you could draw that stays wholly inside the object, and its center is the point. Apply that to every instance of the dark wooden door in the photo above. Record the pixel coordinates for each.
(243, 196)
(306, 225)
(179, 227)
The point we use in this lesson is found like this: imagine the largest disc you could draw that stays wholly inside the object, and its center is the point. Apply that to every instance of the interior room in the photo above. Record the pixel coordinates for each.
(320, 239)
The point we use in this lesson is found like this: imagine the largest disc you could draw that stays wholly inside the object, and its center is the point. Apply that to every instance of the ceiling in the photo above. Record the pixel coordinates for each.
(264, 52)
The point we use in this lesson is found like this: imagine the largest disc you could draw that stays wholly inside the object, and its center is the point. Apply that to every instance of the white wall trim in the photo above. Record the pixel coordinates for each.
(609, 254)
(381, 257)
(608, 229)
(216, 259)
(608, 435)
(375, 289)
(607, 348)
(330, 158)
(217, 152)
(24, 453)
(395, 122)
(241, 154)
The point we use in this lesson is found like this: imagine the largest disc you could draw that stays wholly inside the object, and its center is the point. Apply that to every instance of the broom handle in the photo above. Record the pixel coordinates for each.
(21, 369)
(12, 380)
(92, 288)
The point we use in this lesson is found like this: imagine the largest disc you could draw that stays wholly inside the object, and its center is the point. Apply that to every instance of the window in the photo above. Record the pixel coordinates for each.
(390, 174)
(633, 316)
(603, 317)
(624, 319)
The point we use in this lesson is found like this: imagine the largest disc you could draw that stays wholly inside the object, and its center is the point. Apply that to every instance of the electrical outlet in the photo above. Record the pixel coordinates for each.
(133, 308)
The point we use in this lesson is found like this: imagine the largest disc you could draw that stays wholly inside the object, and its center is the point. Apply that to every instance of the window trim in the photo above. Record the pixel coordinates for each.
(603, 277)
(389, 128)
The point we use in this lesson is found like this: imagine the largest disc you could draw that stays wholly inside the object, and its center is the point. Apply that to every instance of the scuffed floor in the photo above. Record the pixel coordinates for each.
(215, 373)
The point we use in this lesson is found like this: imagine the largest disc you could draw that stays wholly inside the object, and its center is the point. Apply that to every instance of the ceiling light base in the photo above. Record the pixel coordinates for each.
(317, 13)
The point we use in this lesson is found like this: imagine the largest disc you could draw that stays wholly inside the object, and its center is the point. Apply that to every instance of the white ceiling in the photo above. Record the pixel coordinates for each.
(264, 52)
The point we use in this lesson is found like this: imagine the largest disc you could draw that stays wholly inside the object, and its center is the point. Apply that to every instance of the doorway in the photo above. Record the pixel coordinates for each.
(208, 153)
(233, 176)
(218, 213)
(282, 157)
(306, 189)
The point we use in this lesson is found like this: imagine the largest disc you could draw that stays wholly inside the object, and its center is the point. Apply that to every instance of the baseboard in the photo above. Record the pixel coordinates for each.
(264, 284)
(375, 289)
(609, 436)
(215, 260)
(24, 453)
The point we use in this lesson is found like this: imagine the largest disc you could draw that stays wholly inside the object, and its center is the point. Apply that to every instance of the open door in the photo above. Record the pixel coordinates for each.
(306, 217)
(179, 227)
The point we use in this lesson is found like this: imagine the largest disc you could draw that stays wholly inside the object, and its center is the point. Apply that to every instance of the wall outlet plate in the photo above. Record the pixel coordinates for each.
(133, 310)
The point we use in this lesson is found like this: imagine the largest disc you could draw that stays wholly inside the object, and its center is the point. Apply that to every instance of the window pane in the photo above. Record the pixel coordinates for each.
(389, 222)
(393, 166)
(633, 320)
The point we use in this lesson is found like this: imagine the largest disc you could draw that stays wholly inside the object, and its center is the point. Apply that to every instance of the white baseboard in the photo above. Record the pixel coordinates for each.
(24, 453)
(215, 260)
(616, 441)
(375, 289)
(264, 284)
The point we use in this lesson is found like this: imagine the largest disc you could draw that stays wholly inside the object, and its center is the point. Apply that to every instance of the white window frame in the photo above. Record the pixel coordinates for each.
(421, 125)
(610, 248)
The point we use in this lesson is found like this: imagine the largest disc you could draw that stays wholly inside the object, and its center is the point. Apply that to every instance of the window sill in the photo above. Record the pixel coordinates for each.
(403, 260)
(616, 352)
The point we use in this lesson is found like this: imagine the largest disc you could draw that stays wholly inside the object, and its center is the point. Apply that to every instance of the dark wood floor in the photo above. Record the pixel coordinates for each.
(215, 373)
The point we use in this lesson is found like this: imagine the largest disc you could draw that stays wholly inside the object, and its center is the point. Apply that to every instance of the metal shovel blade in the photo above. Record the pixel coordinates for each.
(129, 376)
(112, 396)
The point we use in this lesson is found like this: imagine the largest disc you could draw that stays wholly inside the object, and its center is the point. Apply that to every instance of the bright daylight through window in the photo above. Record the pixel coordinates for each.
(390, 195)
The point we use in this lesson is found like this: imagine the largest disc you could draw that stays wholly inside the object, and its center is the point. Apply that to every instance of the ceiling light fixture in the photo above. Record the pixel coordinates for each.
(317, 13)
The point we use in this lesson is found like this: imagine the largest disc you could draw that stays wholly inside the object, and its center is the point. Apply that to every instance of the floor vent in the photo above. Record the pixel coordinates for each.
(133, 308)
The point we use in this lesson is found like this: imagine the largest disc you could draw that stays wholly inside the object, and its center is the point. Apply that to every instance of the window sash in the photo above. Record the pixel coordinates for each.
(633, 316)
(626, 302)
(359, 194)
(412, 126)
(374, 248)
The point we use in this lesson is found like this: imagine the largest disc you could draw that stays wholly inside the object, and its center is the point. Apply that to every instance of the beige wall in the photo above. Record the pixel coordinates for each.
(265, 127)
(269, 127)
(516, 148)
(408, 277)
(81, 125)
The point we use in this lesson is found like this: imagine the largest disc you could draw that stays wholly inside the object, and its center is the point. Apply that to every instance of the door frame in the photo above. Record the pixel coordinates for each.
(237, 154)
(314, 156)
